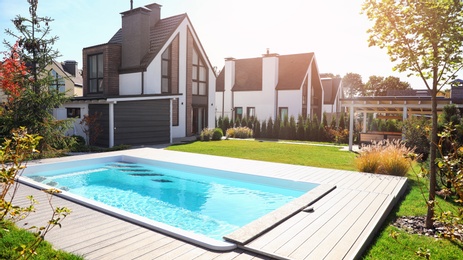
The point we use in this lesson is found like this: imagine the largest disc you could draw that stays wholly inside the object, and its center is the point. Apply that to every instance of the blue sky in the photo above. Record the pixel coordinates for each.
(333, 29)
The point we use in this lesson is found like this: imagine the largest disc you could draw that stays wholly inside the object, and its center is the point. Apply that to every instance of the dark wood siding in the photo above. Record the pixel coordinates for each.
(142, 122)
(103, 121)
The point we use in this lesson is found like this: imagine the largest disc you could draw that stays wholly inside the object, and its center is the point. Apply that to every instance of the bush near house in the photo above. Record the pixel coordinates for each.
(239, 132)
(385, 157)
(208, 134)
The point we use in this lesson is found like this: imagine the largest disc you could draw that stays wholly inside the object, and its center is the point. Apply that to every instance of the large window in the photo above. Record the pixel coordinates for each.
(58, 83)
(238, 113)
(283, 112)
(250, 112)
(199, 75)
(165, 67)
(95, 73)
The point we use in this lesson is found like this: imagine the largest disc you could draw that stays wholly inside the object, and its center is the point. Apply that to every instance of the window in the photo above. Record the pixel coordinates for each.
(58, 83)
(283, 112)
(175, 109)
(238, 113)
(95, 73)
(250, 112)
(73, 112)
(199, 75)
(165, 68)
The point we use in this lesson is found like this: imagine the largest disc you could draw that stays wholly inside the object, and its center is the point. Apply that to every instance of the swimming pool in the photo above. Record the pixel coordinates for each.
(155, 177)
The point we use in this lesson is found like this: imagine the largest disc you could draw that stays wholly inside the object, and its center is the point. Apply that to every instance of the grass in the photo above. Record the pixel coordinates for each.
(308, 155)
(12, 237)
(384, 246)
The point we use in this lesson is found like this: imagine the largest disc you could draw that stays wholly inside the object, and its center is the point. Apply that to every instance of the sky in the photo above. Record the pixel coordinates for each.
(335, 30)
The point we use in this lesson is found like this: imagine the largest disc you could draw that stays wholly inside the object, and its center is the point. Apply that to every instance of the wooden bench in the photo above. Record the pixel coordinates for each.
(368, 138)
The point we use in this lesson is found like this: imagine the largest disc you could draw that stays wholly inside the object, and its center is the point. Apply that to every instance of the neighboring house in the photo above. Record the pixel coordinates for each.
(151, 82)
(67, 77)
(274, 85)
(332, 93)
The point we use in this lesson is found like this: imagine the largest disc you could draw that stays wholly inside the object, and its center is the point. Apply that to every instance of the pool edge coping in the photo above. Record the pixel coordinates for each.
(267, 222)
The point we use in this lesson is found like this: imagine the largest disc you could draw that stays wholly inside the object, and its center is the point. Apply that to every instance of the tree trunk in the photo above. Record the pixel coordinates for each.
(433, 153)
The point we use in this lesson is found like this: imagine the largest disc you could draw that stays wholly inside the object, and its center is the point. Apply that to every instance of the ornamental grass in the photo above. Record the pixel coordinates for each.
(385, 157)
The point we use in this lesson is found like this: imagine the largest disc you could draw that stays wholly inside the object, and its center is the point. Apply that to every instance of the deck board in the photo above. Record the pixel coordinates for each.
(340, 227)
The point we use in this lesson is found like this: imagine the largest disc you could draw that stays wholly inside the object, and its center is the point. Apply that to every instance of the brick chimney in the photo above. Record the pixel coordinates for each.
(70, 66)
(136, 24)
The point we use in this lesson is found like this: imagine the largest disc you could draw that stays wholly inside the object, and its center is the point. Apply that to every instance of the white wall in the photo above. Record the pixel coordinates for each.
(219, 104)
(76, 128)
(180, 130)
(257, 99)
(130, 84)
(269, 83)
(292, 99)
(152, 77)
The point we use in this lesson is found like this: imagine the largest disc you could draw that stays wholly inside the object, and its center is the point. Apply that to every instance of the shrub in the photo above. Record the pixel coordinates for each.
(263, 131)
(217, 134)
(257, 129)
(225, 124)
(206, 134)
(415, 132)
(239, 132)
(385, 157)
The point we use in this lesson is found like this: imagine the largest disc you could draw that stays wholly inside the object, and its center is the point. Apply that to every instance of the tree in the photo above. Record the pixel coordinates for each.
(393, 83)
(32, 108)
(352, 85)
(373, 86)
(423, 38)
(13, 73)
(379, 86)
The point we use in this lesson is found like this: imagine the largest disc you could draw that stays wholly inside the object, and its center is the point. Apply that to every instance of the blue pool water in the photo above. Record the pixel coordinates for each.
(213, 204)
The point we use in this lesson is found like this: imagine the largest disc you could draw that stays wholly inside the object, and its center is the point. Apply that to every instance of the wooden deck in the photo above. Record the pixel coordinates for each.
(341, 225)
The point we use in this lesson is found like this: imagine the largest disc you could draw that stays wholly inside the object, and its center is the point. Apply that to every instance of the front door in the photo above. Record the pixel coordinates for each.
(198, 120)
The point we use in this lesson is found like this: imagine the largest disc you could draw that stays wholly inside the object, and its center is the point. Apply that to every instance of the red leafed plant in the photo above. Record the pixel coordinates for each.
(13, 74)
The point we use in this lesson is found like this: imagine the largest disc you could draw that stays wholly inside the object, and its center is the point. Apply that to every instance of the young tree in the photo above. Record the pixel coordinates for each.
(352, 85)
(423, 38)
(32, 108)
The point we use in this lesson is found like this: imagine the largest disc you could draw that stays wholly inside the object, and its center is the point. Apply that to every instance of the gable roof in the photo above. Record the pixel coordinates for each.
(292, 70)
(220, 81)
(330, 89)
(77, 79)
(159, 34)
(248, 75)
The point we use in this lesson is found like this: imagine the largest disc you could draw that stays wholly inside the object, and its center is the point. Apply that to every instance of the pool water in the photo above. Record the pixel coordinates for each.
(210, 204)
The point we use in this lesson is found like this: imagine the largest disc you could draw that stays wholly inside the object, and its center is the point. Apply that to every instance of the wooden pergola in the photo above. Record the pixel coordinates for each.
(401, 107)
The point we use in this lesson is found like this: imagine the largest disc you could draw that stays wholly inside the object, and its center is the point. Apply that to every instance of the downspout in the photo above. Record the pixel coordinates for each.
(111, 124)
(171, 119)
(142, 83)
(275, 114)
(233, 107)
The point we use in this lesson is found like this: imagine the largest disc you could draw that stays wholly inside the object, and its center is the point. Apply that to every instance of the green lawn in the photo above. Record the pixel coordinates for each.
(384, 246)
(12, 237)
(308, 155)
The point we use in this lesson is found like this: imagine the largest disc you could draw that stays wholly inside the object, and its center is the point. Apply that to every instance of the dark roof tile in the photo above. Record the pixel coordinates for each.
(220, 81)
(248, 75)
(159, 35)
(292, 70)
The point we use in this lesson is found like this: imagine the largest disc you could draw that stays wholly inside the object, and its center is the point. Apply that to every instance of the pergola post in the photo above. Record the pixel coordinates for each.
(351, 127)
(404, 117)
(364, 130)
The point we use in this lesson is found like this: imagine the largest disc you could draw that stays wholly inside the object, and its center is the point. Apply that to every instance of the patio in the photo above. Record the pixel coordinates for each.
(340, 226)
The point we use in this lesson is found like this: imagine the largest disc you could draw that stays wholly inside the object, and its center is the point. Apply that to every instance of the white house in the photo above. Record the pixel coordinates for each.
(150, 83)
(273, 85)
